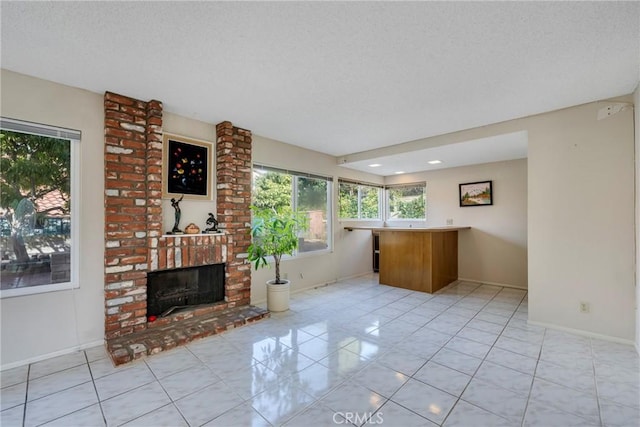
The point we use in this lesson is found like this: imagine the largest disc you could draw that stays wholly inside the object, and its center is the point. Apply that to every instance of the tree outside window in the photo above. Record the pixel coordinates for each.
(279, 190)
(358, 201)
(406, 202)
(35, 209)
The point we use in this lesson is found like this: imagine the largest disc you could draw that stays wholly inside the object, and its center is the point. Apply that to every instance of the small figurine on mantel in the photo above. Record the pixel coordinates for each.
(176, 205)
(213, 223)
(192, 229)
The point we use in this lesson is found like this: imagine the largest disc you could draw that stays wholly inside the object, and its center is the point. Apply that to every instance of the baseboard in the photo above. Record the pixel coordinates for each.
(484, 282)
(353, 276)
(50, 355)
(582, 333)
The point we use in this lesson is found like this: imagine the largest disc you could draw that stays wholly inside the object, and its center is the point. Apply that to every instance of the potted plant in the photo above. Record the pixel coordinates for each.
(275, 233)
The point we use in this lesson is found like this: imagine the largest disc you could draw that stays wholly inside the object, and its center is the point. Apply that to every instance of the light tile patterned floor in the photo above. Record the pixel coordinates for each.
(351, 353)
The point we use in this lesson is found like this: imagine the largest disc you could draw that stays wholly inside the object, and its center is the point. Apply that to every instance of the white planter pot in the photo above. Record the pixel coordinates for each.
(278, 296)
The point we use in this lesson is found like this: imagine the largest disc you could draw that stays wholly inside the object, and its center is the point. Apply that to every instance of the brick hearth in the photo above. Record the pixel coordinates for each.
(135, 245)
(192, 325)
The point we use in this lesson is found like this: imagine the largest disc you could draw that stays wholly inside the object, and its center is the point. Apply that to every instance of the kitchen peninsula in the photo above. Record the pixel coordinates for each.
(420, 259)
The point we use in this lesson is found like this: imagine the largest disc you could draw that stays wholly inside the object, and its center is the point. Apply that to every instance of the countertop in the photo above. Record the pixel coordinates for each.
(411, 229)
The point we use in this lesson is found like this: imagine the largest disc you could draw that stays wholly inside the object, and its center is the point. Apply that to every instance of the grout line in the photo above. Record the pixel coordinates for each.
(171, 401)
(485, 356)
(595, 380)
(534, 377)
(444, 345)
(93, 381)
(426, 361)
(26, 393)
(62, 390)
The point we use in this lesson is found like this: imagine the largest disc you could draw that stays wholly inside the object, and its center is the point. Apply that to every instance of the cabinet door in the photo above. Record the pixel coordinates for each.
(445, 259)
(405, 260)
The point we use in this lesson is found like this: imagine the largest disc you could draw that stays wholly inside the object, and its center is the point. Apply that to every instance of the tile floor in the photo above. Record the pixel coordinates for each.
(350, 353)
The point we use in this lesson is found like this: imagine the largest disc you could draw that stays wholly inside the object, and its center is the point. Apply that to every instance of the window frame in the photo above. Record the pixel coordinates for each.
(74, 137)
(388, 218)
(379, 187)
(294, 204)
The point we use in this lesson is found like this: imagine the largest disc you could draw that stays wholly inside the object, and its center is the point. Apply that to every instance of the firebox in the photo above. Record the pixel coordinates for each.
(174, 290)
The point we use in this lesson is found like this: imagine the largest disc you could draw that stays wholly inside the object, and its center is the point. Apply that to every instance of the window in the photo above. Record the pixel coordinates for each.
(359, 201)
(406, 201)
(37, 212)
(311, 194)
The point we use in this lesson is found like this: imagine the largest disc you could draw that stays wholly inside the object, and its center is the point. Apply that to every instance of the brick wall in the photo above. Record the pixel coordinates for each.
(134, 243)
(233, 164)
(187, 251)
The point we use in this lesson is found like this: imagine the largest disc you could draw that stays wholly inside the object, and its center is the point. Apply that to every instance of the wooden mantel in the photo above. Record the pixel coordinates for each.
(420, 259)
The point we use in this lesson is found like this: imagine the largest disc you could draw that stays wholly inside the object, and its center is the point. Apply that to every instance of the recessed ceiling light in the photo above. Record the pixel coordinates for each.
(399, 172)
(434, 162)
(375, 165)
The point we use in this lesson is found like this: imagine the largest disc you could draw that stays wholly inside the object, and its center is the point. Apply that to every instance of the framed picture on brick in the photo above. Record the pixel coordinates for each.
(186, 168)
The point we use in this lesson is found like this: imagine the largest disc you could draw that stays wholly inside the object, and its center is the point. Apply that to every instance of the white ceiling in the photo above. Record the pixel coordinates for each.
(335, 77)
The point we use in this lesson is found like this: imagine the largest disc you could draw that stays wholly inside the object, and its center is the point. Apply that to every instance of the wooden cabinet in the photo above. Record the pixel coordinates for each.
(419, 260)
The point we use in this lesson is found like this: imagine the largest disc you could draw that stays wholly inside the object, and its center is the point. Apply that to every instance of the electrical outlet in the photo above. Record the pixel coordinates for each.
(449, 221)
(584, 307)
(285, 276)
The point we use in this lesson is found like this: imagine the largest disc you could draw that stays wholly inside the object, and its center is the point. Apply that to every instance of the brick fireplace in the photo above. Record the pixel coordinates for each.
(134, 240)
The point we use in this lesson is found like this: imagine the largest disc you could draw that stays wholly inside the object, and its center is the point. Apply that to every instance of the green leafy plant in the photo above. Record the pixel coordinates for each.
(275, 233)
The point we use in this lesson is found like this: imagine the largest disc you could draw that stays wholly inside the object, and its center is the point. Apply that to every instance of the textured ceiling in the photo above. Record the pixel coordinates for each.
(334, 77)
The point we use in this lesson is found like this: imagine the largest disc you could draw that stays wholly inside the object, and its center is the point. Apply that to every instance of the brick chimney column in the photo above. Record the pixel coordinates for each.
(133, 167)
(233, 164)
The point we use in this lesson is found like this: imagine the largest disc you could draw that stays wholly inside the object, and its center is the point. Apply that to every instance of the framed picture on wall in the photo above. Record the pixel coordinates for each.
(476, 194)
(186, 168)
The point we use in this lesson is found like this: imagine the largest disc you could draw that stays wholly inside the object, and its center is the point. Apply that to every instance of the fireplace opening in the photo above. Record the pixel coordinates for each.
(170, 291)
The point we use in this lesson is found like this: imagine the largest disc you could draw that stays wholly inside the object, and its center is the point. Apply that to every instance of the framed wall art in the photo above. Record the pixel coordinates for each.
(186, 168)
(476, 193)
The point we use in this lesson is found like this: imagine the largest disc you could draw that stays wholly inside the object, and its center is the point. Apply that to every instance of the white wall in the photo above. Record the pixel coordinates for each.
(581, 221)
(636, 102)
(37, 325)
(494, 250)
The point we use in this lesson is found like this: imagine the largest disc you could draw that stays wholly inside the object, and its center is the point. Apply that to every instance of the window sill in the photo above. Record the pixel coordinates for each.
(311, 253)
(40, 289)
